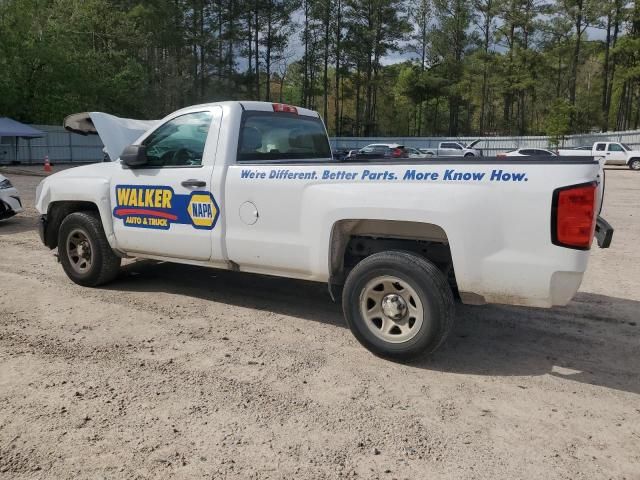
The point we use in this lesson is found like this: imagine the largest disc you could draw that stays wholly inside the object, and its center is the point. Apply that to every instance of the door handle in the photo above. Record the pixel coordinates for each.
(193, 183)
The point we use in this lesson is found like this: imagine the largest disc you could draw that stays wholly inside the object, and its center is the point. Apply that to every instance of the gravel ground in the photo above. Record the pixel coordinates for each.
(182, 372)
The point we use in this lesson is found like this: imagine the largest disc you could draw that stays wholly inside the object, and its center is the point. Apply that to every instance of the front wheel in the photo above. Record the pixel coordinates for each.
(84, 251)
(398, 305)
(469, 154)
(634, 164)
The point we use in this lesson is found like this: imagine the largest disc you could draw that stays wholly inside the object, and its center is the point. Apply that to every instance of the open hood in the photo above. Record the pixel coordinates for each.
(474, 143)
(116, 133)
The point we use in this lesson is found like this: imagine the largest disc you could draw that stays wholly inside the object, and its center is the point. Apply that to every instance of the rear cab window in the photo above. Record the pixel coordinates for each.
(269, 136)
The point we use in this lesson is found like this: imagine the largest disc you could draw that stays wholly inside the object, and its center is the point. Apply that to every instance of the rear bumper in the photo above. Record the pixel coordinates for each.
(604, 232)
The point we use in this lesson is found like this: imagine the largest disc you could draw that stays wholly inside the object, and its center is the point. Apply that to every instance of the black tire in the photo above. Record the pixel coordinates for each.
(104, 265)
(426, 280)
(469, 154)
(634, 164)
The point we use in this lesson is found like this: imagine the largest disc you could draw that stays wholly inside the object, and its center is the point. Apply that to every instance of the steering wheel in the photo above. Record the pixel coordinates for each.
(183, 156)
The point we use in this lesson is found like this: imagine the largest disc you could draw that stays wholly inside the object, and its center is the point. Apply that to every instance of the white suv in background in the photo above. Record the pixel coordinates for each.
(10, 203)
(616, 153)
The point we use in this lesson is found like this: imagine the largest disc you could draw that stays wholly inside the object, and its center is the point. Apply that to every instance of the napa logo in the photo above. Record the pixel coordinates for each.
(202, 210)
(158, 207)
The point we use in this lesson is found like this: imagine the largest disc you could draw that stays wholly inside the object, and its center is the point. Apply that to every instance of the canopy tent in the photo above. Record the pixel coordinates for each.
(11, 129)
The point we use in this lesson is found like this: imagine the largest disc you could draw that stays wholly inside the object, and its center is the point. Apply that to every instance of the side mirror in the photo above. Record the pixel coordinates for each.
(134, 156)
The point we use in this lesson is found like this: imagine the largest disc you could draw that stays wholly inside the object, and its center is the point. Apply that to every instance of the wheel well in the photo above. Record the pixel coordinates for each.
(354, 240)
(57, 212)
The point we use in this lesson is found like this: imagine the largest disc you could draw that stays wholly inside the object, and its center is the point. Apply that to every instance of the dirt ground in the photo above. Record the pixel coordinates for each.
(183, 372)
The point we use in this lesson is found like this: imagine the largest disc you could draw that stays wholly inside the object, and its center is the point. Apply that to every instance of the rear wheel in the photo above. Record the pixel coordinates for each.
(84, 251)
(634, 164)
(398, 304)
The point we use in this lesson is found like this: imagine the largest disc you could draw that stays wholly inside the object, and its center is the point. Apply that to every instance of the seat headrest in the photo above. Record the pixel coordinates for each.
(251, 139)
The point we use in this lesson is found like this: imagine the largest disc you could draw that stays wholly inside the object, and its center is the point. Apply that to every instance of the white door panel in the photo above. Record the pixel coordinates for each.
(616, 154)
(170, 209)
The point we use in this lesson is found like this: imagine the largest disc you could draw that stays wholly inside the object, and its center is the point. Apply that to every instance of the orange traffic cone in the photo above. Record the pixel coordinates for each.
(47, 165)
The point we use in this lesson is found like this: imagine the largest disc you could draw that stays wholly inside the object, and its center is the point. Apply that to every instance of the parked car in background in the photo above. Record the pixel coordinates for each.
(527, 152)
(454, 149)
(10, 203)
(613, 153)
(340, 153)
(414, 152)
(379, 150)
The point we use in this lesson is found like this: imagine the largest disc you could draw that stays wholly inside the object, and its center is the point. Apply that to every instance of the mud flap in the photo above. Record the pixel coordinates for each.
(604, 232)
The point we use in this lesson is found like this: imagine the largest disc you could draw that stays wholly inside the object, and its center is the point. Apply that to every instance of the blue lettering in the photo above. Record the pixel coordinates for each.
(409, 175)
(501, 176)
(252, 174)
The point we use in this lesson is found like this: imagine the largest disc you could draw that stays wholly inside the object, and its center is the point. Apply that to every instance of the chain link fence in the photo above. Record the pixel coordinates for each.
(58, 144)
(491, 146)
(62, 146)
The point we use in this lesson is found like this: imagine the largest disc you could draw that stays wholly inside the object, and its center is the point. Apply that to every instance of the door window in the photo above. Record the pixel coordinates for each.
(453, 146)
(614, 147)
(179, 142)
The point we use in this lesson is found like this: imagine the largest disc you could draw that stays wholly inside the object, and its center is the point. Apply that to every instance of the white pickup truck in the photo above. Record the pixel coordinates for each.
(611, 153)
(252, 187)
(454, 149)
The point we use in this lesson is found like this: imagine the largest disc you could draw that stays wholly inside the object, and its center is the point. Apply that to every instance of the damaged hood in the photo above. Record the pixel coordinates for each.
(116, 133)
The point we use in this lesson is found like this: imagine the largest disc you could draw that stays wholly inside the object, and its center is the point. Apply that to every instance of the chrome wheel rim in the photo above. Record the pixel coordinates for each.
(79, 251)
(391, 309)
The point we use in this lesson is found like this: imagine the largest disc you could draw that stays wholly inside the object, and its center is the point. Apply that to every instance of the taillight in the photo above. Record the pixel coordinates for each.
(281, 107)
(573, 218)
(397, 153)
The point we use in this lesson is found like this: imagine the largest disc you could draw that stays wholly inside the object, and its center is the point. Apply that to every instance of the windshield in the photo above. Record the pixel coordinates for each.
(626, 147)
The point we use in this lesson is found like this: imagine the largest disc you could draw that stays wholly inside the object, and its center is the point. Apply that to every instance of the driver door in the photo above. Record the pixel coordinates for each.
(616, 155)
(168, 207)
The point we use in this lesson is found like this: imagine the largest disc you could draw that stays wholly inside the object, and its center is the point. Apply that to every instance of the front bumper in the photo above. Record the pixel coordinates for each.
(9, 205)
(604, 232)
